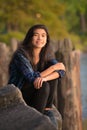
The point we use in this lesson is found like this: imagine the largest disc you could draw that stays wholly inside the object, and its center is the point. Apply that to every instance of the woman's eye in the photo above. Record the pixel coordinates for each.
(35, 34)
(43, 35)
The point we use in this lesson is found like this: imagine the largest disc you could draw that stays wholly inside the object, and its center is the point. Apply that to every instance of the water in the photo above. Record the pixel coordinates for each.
(83, 74)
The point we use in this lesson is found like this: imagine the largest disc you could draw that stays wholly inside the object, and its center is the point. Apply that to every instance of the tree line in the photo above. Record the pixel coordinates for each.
(61, 17)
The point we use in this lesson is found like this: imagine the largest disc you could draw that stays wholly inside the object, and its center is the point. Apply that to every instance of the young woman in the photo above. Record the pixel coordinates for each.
(34, 69)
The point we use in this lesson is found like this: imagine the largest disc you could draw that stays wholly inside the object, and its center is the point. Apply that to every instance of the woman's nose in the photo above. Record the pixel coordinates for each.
(39, 37)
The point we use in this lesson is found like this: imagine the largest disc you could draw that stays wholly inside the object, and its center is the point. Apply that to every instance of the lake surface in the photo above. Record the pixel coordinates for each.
(83, 75)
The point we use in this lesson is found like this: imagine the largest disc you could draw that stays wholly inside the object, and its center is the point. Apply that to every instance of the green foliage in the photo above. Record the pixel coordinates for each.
(20, 15)
(8, 36)
(76, 41)
(61, 17)
(74, 10)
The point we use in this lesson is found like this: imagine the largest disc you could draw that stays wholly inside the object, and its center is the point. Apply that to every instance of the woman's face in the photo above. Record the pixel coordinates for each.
(39, 38)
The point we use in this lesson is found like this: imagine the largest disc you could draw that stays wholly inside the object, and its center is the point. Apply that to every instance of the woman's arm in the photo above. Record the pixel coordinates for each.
(53, 72)
(52, 76)
(24, 66)
(51, 69)
(39, 81)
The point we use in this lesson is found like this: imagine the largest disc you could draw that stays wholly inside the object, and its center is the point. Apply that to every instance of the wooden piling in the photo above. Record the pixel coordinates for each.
(68, 89)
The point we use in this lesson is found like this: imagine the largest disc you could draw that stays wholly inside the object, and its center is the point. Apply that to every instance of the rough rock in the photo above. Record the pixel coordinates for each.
(15, 114)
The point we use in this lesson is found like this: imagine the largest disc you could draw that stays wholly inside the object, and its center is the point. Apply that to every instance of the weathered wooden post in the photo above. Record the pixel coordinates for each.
(68, 90)
(4, 59)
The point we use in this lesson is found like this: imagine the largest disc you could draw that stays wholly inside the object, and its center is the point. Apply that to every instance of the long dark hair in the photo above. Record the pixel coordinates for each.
(27, 48)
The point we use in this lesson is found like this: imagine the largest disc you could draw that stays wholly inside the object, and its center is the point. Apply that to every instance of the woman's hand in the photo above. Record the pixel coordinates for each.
(38, 82)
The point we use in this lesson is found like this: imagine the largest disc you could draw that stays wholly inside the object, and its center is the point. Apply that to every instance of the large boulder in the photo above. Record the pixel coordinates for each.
(15, 114)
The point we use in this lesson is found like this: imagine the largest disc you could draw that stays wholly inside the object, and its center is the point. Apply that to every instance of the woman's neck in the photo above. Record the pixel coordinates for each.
(36, 53)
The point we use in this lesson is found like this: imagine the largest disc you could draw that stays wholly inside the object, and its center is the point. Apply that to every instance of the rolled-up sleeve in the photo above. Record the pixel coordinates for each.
(60, 72)
(23, 65)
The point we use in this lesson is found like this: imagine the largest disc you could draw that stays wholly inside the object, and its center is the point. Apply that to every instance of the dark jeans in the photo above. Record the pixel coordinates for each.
(39, 98)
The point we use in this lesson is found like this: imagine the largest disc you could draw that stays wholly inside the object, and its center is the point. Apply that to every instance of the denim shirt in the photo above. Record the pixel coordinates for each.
(21, 70)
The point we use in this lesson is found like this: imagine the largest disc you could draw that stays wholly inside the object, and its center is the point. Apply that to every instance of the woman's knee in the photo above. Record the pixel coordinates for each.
(45, 88)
